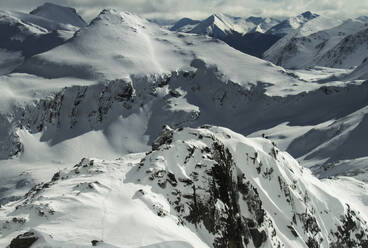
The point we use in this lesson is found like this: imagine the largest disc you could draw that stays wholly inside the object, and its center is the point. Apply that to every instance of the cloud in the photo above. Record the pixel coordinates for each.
(173, 9)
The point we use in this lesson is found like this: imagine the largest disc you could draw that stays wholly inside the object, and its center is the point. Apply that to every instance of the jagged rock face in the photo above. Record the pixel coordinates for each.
(185, 98)
(217, 207)
(350, 227)
(10, 144)
(68, 107)
(80, 109)
(240, 194)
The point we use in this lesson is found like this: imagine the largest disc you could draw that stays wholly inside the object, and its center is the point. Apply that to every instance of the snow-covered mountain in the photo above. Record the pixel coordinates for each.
(186, 62)
(59, 14)
(107, 92)
(23, 35)
(216, 25)
(262, 24)
(140, 47)
(184, 25)
(324, 42)
(205, 187)
(244, 34)
(293, 23)
(84, 61)
(350, 51)
(219, 25)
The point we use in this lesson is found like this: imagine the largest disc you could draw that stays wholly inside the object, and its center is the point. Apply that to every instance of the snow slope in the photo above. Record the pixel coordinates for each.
(349, 52)
(343, 139)
(206, 187)
(322, 41)
(361, 72)
(9, 61)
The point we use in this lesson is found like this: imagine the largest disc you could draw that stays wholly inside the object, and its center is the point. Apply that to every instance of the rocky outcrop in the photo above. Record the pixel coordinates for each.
(233, 190)
(25, 240)
(10, 143)
(67, 108)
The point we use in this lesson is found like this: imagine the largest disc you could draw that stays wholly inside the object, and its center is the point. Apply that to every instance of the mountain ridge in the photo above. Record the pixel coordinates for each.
(212, 166)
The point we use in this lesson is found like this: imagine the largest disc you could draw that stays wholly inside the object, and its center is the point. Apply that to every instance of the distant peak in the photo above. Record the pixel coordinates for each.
(114, 12)
(108, 15)
(309, 15)
(113, 16)
(255, 19)
(215, 18)
(183, 22)
(60, 14)
(108, 11)
(220, 16)
(186, 19)
(48, 4)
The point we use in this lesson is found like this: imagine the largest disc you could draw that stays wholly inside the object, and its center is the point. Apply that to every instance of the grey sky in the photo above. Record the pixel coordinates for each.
(172, 9)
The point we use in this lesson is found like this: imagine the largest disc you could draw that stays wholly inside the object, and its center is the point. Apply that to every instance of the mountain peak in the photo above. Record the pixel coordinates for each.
(215, 25)
(182, 23)
(255, 19)
(220, 17)
(58, 13)
(309, 15)
(292, 23)
(113, 16)
(107, 13)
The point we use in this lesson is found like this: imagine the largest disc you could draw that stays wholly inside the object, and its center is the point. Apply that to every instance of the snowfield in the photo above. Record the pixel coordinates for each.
(183, 141)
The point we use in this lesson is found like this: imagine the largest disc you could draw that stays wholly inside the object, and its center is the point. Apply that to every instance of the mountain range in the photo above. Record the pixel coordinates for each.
(124, 133)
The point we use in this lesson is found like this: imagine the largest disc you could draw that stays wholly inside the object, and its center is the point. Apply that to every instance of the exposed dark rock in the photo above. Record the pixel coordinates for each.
(164, 138)
(175, 93)
(312, 243)
(351, 233)
(229, 228)
(292, 230)
(96, 242)
(25, 240)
